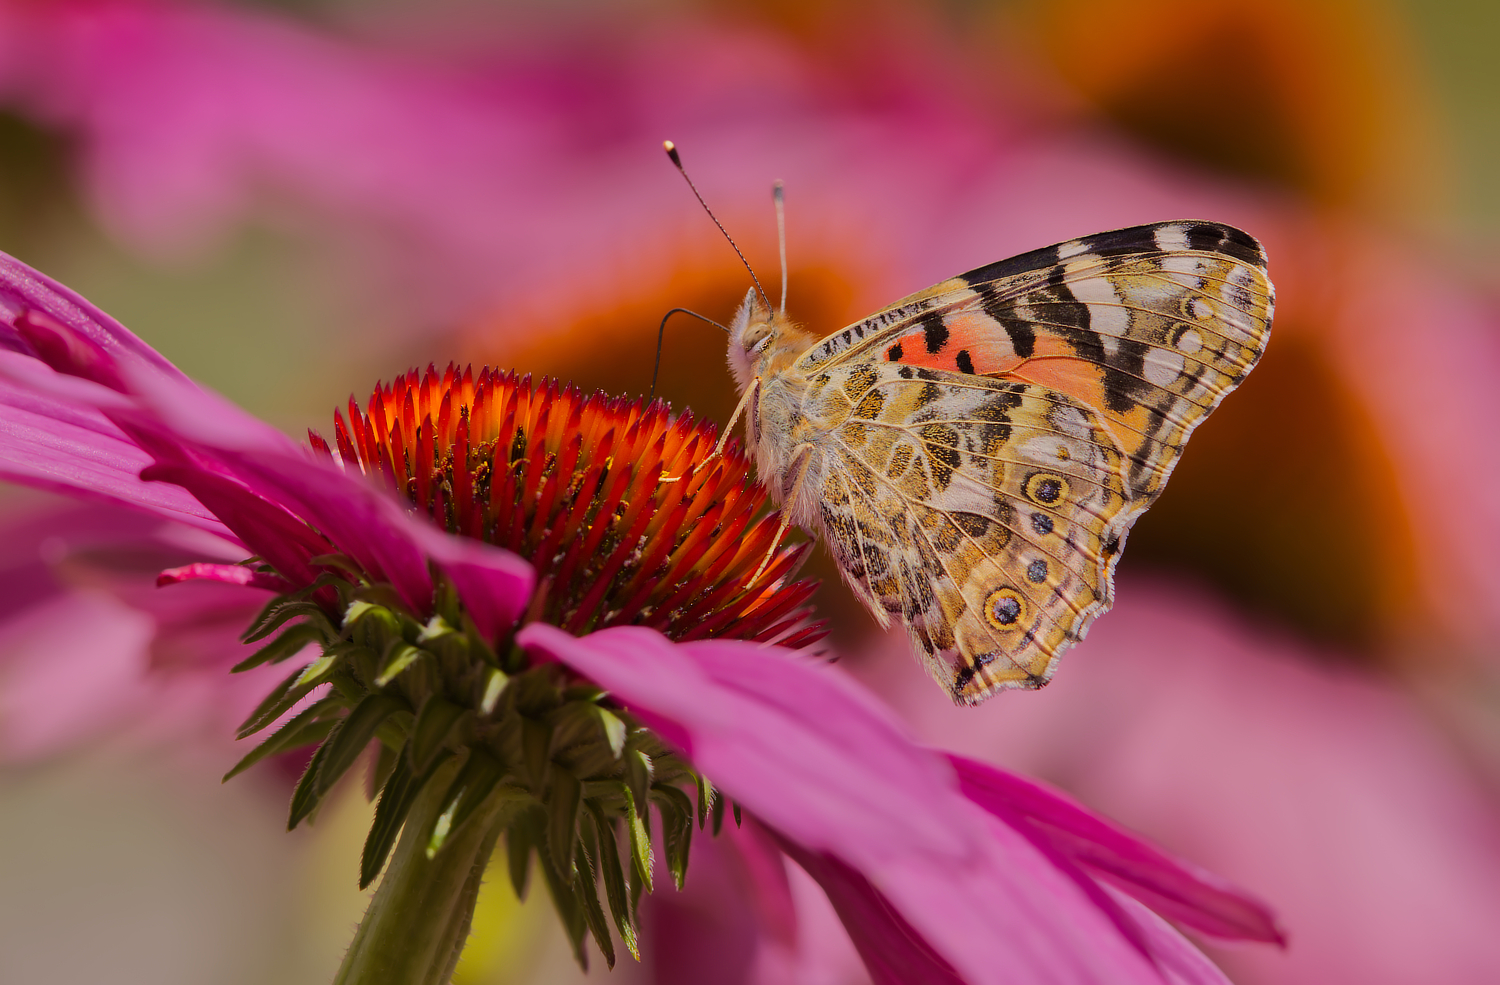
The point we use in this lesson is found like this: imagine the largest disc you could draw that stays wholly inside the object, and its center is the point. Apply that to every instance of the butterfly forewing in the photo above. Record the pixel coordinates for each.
(983, 447)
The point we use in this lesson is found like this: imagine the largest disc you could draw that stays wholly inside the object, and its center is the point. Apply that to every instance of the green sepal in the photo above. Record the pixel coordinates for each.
(568, 908)
(587, 888)
(563, 804)
(435, 629)
(340, 562)
(676, 828)
(706, 798)
(318, 671)
(353, 734)
(383, 595)
(640, 840)
(305, 797)
(520, 838)
(287, 645)
(614, 879)
(638, 773)
(474, 783)
(396, 799)
(717, 814)
(435, 723)
(381, 767)
(281, 609)
(275, 704)
(402, 656)
(355, 613)
(494, 686)
(637, 886)
(614, 730)
(307, 728)
(536, 747)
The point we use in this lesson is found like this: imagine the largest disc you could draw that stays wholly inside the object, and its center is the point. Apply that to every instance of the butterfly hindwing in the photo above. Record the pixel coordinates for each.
(974, 508)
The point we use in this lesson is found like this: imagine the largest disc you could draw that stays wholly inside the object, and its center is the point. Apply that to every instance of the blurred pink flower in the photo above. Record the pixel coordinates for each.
(87, 644)
(934, 868)
(1324, 789)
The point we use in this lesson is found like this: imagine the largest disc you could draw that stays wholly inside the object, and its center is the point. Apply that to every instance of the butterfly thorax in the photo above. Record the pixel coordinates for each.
(764, 345)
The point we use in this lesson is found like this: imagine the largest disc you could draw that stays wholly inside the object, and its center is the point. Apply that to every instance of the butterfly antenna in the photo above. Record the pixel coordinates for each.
(671, 150)
(780, 198)
(661, 332)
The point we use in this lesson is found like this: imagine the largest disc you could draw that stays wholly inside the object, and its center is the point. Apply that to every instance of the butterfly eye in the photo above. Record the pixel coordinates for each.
(760, 346)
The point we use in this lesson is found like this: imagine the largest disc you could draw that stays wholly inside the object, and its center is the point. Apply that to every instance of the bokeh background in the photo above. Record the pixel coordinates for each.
(1300, 685)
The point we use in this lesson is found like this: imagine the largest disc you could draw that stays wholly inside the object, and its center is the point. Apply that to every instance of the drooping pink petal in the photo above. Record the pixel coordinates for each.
(286, 543)
(247, 472)
(49, 441)
(822, 764)
(893, 952)
(228, 574)
(493, 583)
(1170, 886)
(24, 290)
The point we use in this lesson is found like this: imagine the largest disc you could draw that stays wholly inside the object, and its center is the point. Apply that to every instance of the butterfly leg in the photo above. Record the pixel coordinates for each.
(797, 473)
(724, 436)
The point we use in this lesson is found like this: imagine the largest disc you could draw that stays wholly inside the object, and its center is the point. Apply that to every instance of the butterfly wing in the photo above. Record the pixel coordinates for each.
(1150, 326)
(1134, 336)
(979, 510)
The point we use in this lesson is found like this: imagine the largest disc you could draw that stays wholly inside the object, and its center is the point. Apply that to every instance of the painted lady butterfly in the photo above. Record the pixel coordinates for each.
(975, 454)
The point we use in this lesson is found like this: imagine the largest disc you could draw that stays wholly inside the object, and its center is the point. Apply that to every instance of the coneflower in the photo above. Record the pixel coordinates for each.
(550, 616)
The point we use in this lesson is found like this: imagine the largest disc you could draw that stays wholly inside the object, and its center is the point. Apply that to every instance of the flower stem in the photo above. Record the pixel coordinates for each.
(418, 920)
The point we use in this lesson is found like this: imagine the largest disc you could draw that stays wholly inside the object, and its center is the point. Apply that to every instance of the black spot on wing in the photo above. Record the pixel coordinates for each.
(894, 353)
(965, 361)
(934, 333)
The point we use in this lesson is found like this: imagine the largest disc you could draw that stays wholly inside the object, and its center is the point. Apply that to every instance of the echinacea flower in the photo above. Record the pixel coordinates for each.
(496, 629)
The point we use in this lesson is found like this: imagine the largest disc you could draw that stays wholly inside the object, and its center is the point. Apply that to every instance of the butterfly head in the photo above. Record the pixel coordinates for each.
(763, 341)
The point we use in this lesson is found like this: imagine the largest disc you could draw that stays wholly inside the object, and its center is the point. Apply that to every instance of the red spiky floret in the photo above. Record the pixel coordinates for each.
(623, 509)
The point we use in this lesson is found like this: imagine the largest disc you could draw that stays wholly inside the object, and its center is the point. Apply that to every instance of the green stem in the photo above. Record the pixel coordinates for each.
(418, 920)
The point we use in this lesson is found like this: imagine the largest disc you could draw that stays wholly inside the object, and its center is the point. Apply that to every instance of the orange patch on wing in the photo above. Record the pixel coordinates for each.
(970, 343)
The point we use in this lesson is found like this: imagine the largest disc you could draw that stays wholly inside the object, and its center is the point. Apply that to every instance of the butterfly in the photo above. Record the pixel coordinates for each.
(975, 454)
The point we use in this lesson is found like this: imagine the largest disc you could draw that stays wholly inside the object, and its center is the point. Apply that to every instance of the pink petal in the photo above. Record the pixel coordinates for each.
(247, 472)
(493, 583)
(824, 765)
(23, 290)
(1170, 886)
(50, 442)
(893, 953)
(229, 574)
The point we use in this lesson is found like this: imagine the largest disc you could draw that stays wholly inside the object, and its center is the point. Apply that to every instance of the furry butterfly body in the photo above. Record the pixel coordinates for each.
(975, 454)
